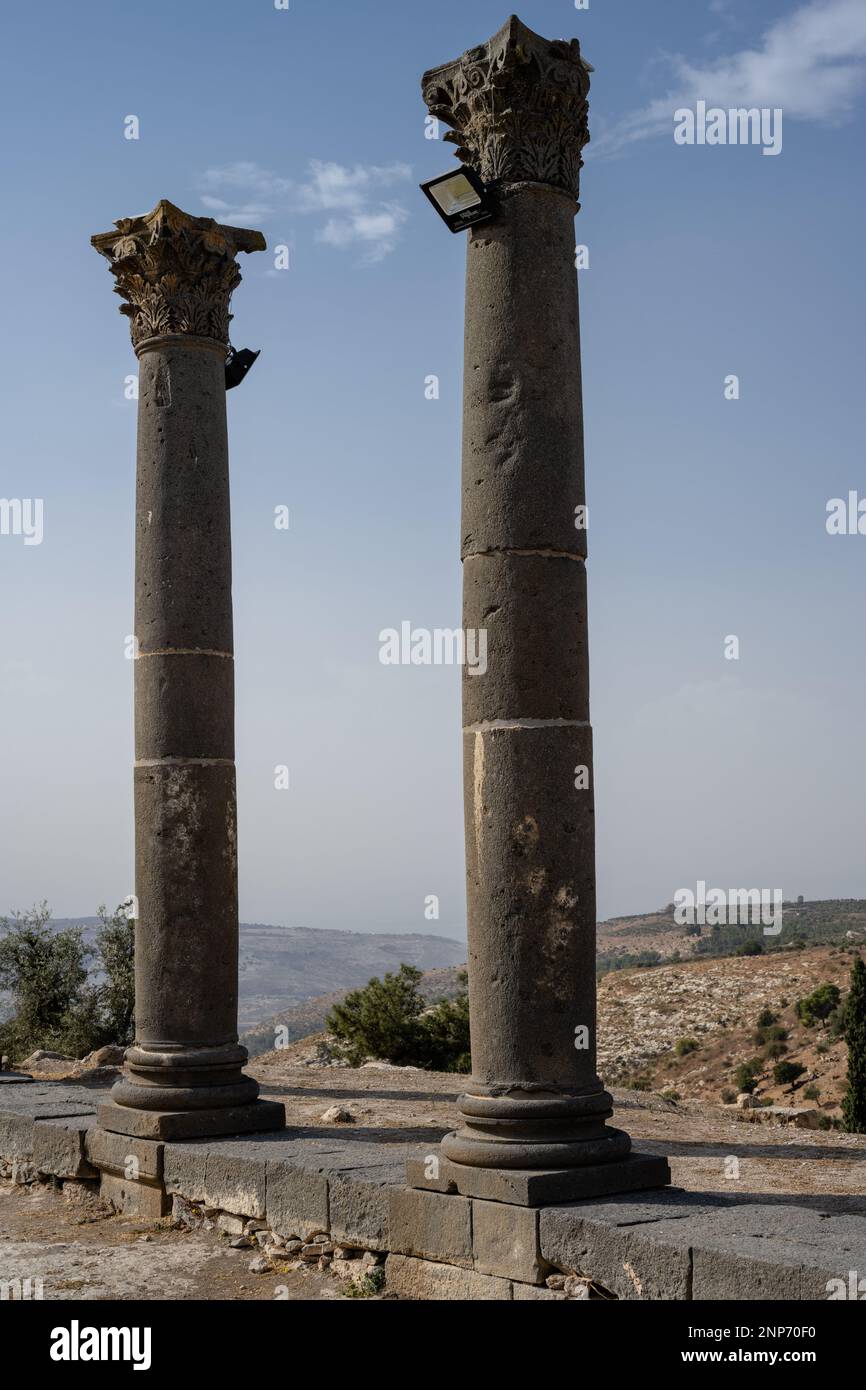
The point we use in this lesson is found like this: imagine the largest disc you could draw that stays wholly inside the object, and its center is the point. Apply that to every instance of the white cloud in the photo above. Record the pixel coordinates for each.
(378, 232)
(244, 192)
(332, 186)
(812, 64)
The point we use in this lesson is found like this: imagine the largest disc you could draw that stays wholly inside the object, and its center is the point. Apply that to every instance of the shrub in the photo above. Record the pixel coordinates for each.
(822, 1049)
(750, 948)
(728, 1097)
(46, 972)
(368, 1286)
(641, 1081)
(766, 1017)
(115, 946)
(446, 1034)
(683, 1046)
(747, 1073)
(784, 1073)
(854, 1100)
(775, 1049)
(55, 1004)
(812, 1092)
(384, 1019)
(818, 1005)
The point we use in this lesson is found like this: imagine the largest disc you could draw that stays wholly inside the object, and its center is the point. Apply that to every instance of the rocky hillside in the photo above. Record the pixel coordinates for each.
(715, 1004)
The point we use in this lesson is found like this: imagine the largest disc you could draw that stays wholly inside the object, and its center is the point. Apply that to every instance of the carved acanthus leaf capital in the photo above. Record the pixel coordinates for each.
(175, 272)
(518, 107)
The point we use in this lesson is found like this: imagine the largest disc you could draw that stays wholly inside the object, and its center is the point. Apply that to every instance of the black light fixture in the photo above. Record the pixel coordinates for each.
(461, 198)
(238, 364)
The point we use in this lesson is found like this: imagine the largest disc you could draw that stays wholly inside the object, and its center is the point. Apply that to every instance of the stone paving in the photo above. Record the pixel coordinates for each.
(756, 1211)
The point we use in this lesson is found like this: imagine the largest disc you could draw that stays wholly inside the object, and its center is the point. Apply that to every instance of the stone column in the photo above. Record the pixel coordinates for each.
(518, 108)
(175, 274)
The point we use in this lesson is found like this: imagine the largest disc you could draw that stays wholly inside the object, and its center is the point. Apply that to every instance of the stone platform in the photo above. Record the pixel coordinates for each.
(349, 1180)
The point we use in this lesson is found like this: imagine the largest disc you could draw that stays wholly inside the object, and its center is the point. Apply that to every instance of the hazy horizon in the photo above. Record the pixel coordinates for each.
(708, 515)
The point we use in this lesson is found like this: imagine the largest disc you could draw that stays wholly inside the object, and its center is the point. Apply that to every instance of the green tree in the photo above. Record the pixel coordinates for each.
(56, 1004)
(747, 1073)
(385, 1020)
(818, 1005)
(115, 945)
(446, 1032)
(380, 1020)
(854, 1100)
(784, 1073)
(45, 971)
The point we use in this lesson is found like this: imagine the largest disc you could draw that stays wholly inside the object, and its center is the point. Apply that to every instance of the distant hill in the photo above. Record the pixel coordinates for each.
(309, 1017)
(653, 938)
(280, 967)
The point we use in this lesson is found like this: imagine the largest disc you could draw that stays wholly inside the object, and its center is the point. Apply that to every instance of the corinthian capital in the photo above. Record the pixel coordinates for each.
(518, 107)
(175, 272)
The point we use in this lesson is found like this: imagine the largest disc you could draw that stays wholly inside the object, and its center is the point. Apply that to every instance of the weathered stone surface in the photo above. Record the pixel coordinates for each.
(185, 1171)
(229, 1224)
(505, 1242)
(191, 1124)
(183, 572)
(59, 1148)
(530, 860)
(108, 1056)
(297, 1200)
(16, 1135)
(676, 1245)
(529, 1188)
(533, 609)
(523, 469)
(634, 1258)
(432, 1225)
(749, 1251)
(168, 723)
(235, 1185)
(145, 1199)
(517, 106)
(425, 1279)
(176, 274)
(183, 813)
(432, 1172)
(526, 1293)
(360, 1209)
(135, 1158)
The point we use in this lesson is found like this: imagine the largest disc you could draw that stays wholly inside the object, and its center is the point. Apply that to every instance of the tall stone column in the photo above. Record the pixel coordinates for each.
(175, 274)
(518, 108)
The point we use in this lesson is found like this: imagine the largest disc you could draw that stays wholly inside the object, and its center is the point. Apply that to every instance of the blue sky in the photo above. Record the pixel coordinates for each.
(707, 515)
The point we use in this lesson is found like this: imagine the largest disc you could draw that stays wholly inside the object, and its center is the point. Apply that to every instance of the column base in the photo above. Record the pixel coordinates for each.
(192, 1124)
(538, 1187)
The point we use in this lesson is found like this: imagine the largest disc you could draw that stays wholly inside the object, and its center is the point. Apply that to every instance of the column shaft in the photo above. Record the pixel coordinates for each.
(517, 106)
(186, 1065)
